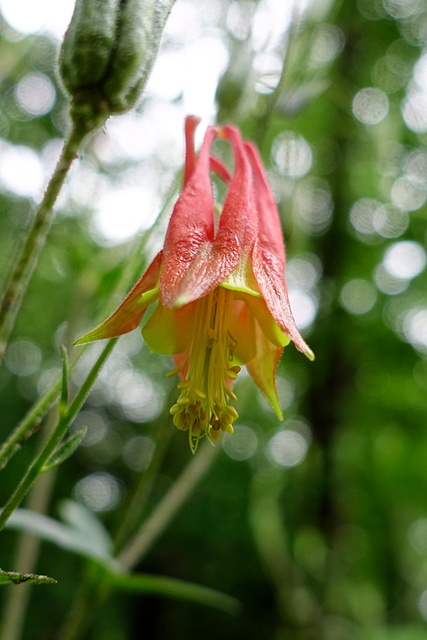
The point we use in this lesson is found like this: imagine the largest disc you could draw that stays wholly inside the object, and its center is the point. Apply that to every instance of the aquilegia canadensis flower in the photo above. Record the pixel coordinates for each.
(219, 285)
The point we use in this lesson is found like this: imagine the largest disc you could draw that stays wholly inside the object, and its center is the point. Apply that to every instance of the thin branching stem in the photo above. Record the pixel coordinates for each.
(64, 422)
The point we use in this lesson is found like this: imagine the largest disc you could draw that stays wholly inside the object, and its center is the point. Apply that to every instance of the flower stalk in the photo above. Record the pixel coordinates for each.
(36, 238)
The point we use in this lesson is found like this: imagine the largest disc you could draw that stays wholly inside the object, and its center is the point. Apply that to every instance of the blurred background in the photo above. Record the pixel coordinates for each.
(318, 525)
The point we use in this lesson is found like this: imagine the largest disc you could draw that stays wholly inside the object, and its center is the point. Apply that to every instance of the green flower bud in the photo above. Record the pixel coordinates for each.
(107, 54)
(88, 44)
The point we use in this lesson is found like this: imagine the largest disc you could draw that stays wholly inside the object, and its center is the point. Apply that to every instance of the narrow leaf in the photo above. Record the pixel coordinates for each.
(177, 589)
(65, 449)
(86, 523)
(11, 577)
(62, 535)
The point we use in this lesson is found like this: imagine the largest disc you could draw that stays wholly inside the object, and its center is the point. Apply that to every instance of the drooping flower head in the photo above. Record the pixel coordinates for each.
(219, 285)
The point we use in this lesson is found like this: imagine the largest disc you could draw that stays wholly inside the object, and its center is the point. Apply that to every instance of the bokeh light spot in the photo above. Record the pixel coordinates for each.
(304, 307)
(27, 16)
(401, 9)
(292, 154)
(415, 328)
(242, 444)
(370, 105)
(98, 491)
(363, 213)
(122, 212)
(21, 170)
(408, 195)
(288, 448)
(96, 427)
(387, 283)
(358, 296)
(35, 94)
(414, 110)
(422, 604)
(390, 222)
(138, 452)
(315, 206)
(417, 535)
(303, 272)
(140, 399)
(405, 259)
(23, 357)
(328, 42)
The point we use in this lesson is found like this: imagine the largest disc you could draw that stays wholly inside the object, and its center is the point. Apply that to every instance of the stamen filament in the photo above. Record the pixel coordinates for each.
(202, 405)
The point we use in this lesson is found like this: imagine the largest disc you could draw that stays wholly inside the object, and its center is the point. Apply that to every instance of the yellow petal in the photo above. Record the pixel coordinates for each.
(265, 320)
(242, 330)
(168, 331)
(263, 368)
(242, 278)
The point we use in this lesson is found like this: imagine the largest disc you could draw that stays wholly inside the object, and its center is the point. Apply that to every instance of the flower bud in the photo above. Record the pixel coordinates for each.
(107, 54)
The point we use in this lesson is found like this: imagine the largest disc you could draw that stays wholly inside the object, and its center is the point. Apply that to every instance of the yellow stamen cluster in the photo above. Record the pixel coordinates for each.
(202, 408)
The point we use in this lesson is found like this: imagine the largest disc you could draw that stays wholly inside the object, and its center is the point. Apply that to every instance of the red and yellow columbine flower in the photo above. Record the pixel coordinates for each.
(220, 290)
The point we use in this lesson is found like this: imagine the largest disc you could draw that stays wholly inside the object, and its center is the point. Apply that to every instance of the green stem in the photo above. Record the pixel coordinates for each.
(28, 548)
(167, 508)
(29, 424)
(36, 468)
(81, 613)
(91, 594)
(177, 589)
(34, 243)
(135, 505)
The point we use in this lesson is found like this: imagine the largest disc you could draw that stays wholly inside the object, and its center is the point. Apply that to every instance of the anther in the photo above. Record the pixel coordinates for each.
(180, 421)
(231, 411)
(184, 384)
(174, 409)
(172, 373)
(231, 394)
(231, 341)
(200, 394)
(183, 400)
(214, 434)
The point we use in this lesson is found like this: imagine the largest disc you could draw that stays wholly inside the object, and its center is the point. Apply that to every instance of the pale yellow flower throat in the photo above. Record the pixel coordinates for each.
(202, 405)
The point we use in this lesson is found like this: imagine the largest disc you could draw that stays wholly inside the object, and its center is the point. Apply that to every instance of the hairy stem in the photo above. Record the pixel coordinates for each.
(36, 238)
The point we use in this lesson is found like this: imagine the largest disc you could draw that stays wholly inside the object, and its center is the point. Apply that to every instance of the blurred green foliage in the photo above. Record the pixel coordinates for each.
(318, 525)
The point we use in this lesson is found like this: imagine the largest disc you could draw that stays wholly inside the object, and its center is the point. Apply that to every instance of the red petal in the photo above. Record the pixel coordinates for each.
(268, 258)
(238, 217)
(129, 314)
(217, 167)
(269, 229)
(191, 123)
(211, 262)
(191, 225)
(273, 288)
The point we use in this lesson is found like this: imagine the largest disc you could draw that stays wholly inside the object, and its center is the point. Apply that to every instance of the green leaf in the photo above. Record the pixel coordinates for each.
(89, 541)
(65, 449)
(177, 589)
(11, 577)
(63, 402)
(87, 524)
